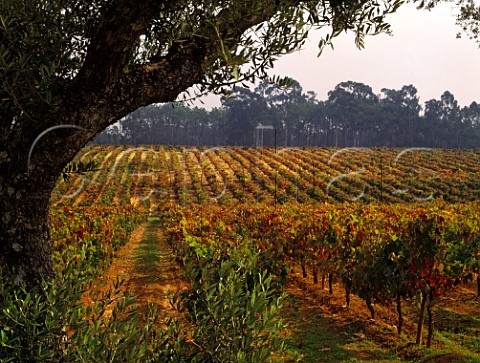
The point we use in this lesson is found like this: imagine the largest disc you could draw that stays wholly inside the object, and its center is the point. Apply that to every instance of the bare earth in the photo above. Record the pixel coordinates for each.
(148, 269)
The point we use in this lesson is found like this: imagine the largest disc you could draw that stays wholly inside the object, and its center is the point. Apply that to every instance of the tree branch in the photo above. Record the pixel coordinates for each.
(109, 73)
(116, 38)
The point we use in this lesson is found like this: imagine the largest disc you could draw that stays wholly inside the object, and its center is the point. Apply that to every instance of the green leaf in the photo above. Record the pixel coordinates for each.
(235, 72)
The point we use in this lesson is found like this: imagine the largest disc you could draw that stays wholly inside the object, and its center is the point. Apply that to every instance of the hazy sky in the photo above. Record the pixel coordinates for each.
(423, 51)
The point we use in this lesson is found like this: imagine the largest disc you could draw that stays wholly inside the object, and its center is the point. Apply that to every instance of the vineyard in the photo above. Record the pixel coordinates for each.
(389, 226)
(228, 176)
(386, 236)
(384, 255)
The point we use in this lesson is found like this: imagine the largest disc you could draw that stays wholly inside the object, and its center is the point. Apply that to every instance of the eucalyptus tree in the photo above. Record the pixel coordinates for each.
(470, 116)
(286, 104)
(245, 110)
(400, 113)
(352, 108)
(430, 123)
(307, 113)
(70, 68)
(442, 121)
(451, 118)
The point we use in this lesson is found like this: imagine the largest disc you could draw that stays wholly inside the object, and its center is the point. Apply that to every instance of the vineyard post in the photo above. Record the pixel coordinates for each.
(275, 192)
(275, 147)
(200, 201)
(169, 175)
(243, 183)
(315, 182)
(381, 178)
(296, 185)
(184, 189)
(201, 182)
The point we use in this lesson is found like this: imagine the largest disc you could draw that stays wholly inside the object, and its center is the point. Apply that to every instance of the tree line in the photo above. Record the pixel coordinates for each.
(352, 115)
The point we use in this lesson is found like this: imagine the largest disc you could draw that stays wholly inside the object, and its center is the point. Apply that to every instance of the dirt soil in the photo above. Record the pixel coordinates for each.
(453, 311)
(148, 270)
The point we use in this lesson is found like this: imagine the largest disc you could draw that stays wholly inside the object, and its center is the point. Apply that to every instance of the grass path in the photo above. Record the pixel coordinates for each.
(148, 268)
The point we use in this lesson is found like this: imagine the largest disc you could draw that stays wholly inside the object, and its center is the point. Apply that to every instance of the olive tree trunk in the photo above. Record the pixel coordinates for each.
(25, 244)
(29, 172)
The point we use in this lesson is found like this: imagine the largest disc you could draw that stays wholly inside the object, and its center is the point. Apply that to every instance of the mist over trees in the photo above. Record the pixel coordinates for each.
(353, 115)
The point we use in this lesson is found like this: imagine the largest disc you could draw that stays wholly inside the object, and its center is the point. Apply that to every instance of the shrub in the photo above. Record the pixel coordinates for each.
(55, 324)
(234, 311)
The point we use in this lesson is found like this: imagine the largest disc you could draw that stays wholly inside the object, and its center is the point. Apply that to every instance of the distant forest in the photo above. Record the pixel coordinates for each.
(351, 116)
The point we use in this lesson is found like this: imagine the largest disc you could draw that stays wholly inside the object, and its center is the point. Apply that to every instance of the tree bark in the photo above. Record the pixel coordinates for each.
(29, 172)
(25, 244)
(421, 318)
(348, 291)
(330, 283)
(370, 307)
(430, 319)
(400, 314)
(304, 269)
(315, 273)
